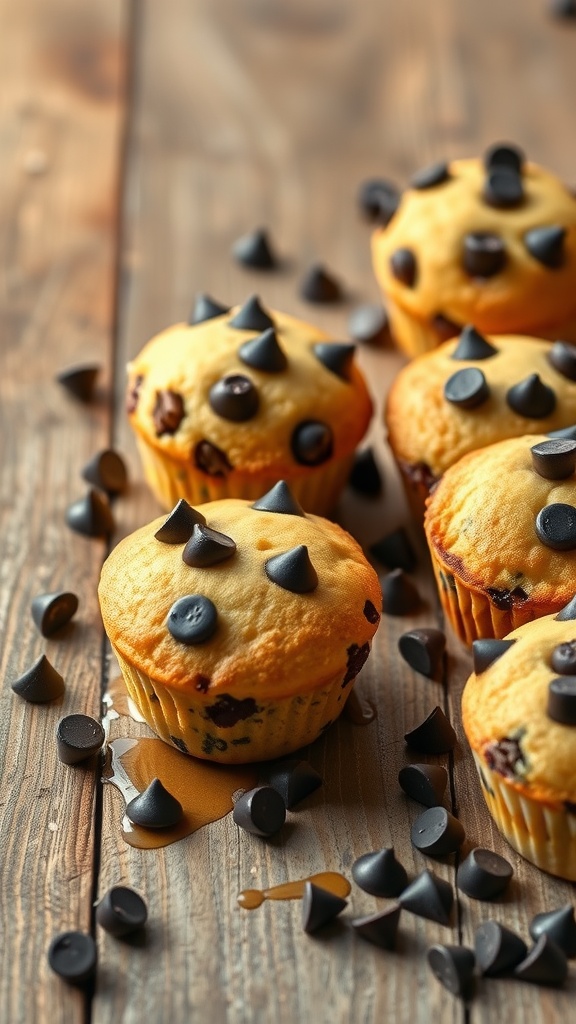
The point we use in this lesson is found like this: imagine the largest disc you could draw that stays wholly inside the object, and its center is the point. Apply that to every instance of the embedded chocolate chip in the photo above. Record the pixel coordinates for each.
(80, 381)
(368, 325)
(168, 412)
(206, 308)
(546, 245)
(106, 470)
(562, 356)
(293, 570)
(483, 875)
(335, 357)
(90, 515)
(531, 398)
(429, 177)
(444, 327)
(178, 526)
(121, 911)
(234, 398)
(252, 316)
(380, 873)
(486, 651)
(260, 811)
(40, 683)
(356, 658)
(568, 612)
(294, 781)
(378, 200)
(454, 968)
(467, 388)
(371, 613)
(430, 897)
(53, 611)
(563, 658)
(546, 964)
(399, 595)
(319, 907)
(155, 807)
(207, 547)
(254, 250)
(264, 353)
(559, 925)
(318, 285)
(437, 833)
(380, 928)
(484, 254)
(192, 619)
(504, 155)
(78, 737)
(425, 783)
(395, 550)
(562, 700)
(423, 649)
(211, 459)
(506, 758)
(72, 956)
(404, 267)
(434, 735)
(279, 499)
(554, 459)
(473, 346)
(312, 443)
(365, 476)
(497, 948)
(556, 526)
(133, 394)
(503, 188)
(228, 711)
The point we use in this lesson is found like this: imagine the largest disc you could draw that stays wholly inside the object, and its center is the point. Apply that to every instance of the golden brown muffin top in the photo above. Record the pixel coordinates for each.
(429, 422)
(505, 711)
(266, 639)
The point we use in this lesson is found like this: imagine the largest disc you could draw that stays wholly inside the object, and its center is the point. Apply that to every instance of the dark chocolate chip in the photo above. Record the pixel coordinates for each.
(371, 613)
(357, 657)
(318, 285)
(368, 325)
(563, 8)
(53, 611)
(381, 928)
(121, 911)
(568, 612)
(423, 649)
(107, 470)
(559, 925)
(444, 327)
(234, 398)
(562, 357)
(399, 594)
(497, 948)
(395, 550)
(168, 412)
(430, 897)
(206, 308)
(467, 388)
(563, 658)
(254, 250)
(211, 459)
(454, 968)
(279, 499)
(567, 432)
(531, 398)
(437, 833)
(264, 353)
(503, 188)
(556, 526)
(260, 811)
(312, 443)
(554, 459)
(483, 875)
(365, 476)
(252, 316)
(80, 381)
(40, 683)
(336, 357)
(561, 705)
(91, 515)
(546, 964)
(178, 527)
(378, 200)
(504, 155)
(78, 737)
(505, 599)
(404, 266)
(155, 807)
(425, 783)
(506, 757)
(486, 651)
(133, 394)
(207, 547)
(319, 907)
(484, 254)
(293, 570)
(429, 177)
(473, 346)
(72, 956)
(546, 245)
(192, 619)
(434, 735)
(228, 711)
(294, 781)
(379, 873)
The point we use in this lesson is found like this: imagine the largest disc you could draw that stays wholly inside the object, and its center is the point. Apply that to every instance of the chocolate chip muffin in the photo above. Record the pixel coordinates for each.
(490, 242)
(231, 403)
(501, 528)
(240, 627)
(471, 392)
(519, 714)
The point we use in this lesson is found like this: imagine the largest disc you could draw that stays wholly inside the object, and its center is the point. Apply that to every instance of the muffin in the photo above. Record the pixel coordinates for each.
(239, 627)
(519, 716)
(490, 242)
(501, 528)
(226, 406)
(471, 392)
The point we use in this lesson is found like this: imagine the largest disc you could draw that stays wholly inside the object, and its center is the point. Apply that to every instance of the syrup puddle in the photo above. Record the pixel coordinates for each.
(332, 881)
(357, 711)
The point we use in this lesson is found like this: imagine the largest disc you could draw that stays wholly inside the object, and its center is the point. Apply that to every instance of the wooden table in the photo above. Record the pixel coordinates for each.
(137, 141)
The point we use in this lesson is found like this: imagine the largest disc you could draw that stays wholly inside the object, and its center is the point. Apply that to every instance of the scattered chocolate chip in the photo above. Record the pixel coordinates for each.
(486, 651)
(546, 245)
(206, 308)
(559, 925)
(473, 346)
(40, 683)
(504, 155)
(425, 783)
(336, 357)
(254, 250)
(404, 267)
(562, 357)
(293, 570)
(399, 594)
(368, 325)
(133, 393)
(107, 470)
(319, 907)
(380, 873)
(568, 612)
(506, 757)
(430, 897)
(168, 412)
(78, 737)
(155, 807)
(546, 964)
(228, 711)
(444, 327)
(454, 968)
(556, 526)
(53, 611)
(437, 833)
(563, 658)
(371, 613)
(497, 948)
(207, 547)
(554, 459)
(561, 705)
(121, 911)
(503, 188)
(192, 619)
(378, 200)
(483, 875)
(91, 515)
(312, 443)
(252, 316)
(423, 649)
(563, 8)
(381, 928)
(80, 381)
(260, 811)
(434, 735)
(365, 476)
(567, 432)
(484, 254)
(430, 177)
(395, 550)
(211, 459)
(234, 398)
(531, 398)
(264, 353)
(178, 527)
(467, 388)
(72, 956)
(318, 285)
(294, 781)
(279, 499)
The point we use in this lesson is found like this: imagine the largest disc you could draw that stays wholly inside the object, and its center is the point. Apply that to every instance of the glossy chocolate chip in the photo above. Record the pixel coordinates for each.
(319, 907)
(91, 515)
(497, 948)
(395, 550)
(192, 619)
(293, 570)
(554, 459)
(486, 651)
(234, 398)
(454, 968)
(423, 649)
(561, 705)
(546, 245)
(484, 254)
(72, 956)
(206, 308)
(562, 356)
(404, 267)
(437, 833)
(503, 188)
(546, 964)
(312, 443)
(483, 875)
(294, 780)
(467, 388)
(531, 398)
(559, 925)
(254, 250)
(279, 499)
(563, 8)
(556, 526)
(155, 807)
(207, 547)
(371, 612)
(425, 783)
(121, 911)
(473, 346)
(566, 432)
(399, 595)
(568, 612)
(380, 873)
(51, 612)
(260, 811)
(563, 658)
(168, 412)
(336, 357)
(80, 381)
(381, 928)
(40, 683)
(264, 353)
(211, 459)
(444, 327)
(78, 737)
(252, 316)
(107, 470)
(178, 526)
(365, 476)
(378, 200)
(368, 325)
(430, 897)
(504, 155)
(434, 735)
(319, 285)
(430, 177)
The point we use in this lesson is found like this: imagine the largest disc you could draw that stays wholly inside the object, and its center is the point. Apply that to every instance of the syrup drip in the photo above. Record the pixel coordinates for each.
(332, 881)
(358, 712)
